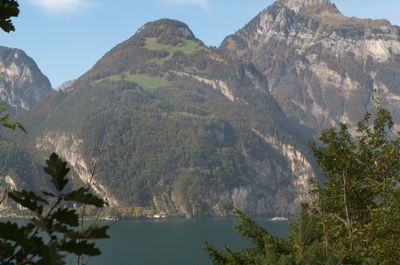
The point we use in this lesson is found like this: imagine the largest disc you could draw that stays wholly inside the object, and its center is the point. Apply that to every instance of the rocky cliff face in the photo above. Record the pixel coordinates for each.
(69, 147)
(299, 166)
(17, 172)
(322, 67)
(6, 184)
(22, 85)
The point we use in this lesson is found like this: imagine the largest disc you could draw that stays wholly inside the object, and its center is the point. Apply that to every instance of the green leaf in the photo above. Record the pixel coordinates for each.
(50, 255)
(21, 127)
(61, 228)
(28, 200)
(6, 25)
(9, 125)
(10, 231)
(6, 250)
(83, 195)
(96, 232)
(49, 194)
(20, 235)
(66, 216)
(80, 248)
(92, 232)
(58, 171)
(5, 117)
(8, 8)
(41, 224)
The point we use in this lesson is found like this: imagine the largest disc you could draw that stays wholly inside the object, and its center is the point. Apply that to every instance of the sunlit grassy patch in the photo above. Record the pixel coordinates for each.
(145, 81)
(187, 47)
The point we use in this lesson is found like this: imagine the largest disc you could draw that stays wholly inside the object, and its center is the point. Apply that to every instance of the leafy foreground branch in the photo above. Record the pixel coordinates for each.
(8, 9)
(354, 217)
(54, 230)
(5, 120)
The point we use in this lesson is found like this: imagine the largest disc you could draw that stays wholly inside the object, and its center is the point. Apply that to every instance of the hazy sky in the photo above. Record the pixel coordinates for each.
(66, 37)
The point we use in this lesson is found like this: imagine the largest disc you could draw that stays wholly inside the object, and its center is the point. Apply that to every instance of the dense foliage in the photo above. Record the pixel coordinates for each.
(354, 217)
(54, 228)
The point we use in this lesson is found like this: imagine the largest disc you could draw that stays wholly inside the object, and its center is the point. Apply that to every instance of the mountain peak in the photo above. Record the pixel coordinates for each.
(22, 84)
(167, 28)
(300, 6)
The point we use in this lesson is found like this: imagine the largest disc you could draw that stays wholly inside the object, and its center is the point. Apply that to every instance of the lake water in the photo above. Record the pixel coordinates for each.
(172, 241)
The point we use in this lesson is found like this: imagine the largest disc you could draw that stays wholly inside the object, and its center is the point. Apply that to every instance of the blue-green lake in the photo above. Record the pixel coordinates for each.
(172, 241)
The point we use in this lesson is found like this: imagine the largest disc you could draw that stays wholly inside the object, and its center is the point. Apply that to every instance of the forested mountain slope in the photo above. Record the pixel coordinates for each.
(184, 130)
(176, 126)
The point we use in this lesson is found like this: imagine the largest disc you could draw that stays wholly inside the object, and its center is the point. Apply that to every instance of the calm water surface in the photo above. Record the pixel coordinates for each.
(172, 241)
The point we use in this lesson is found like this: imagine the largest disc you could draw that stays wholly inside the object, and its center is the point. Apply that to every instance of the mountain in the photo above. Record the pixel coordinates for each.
(22, 84)
(322, 67)
(164, 122)
(175, 127)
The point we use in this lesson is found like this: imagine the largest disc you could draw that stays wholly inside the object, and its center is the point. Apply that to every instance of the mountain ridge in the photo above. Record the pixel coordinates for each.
(302, 6)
